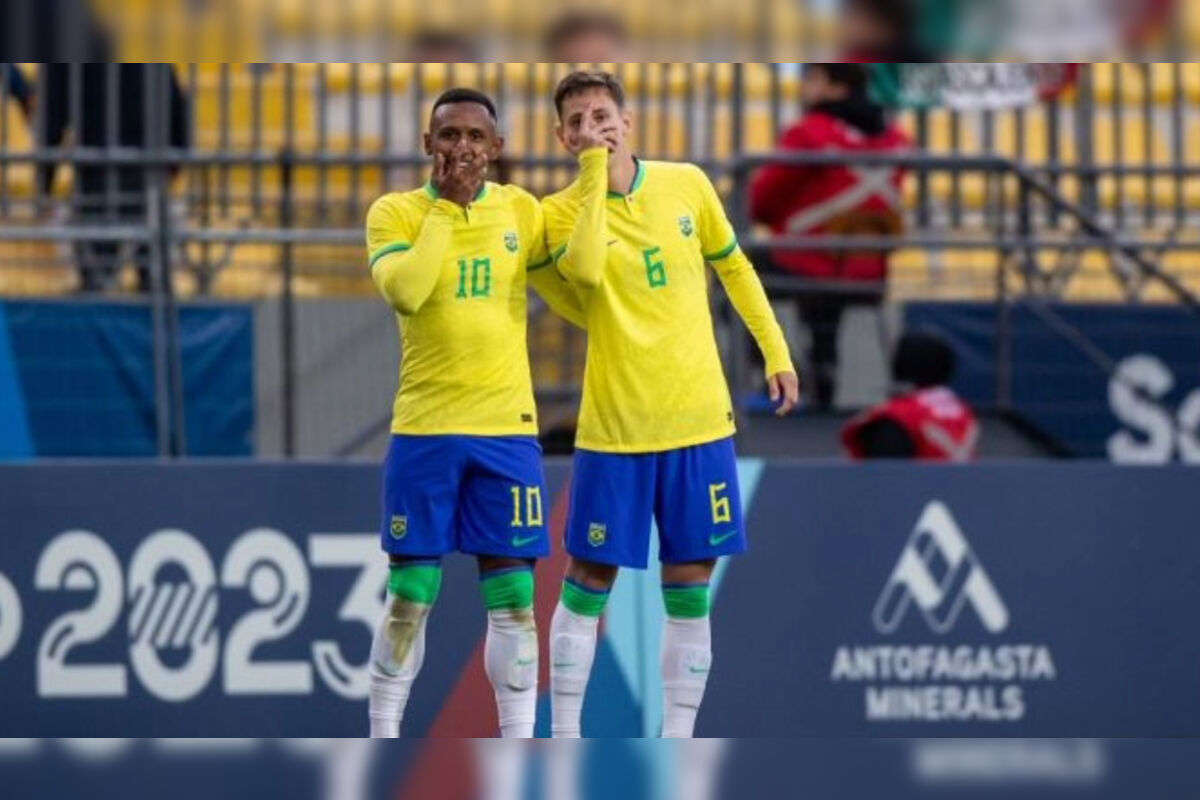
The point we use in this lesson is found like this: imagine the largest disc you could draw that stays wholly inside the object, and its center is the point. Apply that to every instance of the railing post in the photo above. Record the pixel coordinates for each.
(162, 394)
(287, 310)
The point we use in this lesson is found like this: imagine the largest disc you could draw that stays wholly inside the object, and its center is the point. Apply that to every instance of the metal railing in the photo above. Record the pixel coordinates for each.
(284, 160)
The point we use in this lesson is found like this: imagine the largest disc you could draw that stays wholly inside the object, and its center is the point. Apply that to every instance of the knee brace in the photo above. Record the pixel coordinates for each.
(686, 601)
(412, 591)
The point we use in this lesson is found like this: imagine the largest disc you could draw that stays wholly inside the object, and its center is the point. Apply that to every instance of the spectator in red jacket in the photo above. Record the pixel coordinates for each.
(839, 199)
(925, 420)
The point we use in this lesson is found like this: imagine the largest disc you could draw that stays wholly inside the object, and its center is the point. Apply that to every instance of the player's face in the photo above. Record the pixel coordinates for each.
(605, 114)
(816, 88)
(463, 133)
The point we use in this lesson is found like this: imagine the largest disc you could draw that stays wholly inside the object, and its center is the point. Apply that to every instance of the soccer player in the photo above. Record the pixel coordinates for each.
(656, 424)
(463, 472)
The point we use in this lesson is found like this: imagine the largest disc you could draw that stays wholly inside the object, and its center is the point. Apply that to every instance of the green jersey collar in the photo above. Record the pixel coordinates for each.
(639, 177)
(433, 192)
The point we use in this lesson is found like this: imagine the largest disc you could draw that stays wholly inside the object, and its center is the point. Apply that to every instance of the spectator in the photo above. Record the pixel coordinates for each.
(925, 420)
(886, 31)
(111, 194)
(18, 88)
(839, 199)
(442, 46)
(586, 37)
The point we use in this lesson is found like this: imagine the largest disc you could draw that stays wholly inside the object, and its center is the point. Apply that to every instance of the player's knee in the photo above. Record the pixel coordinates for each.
(415, 582)
(583, 600)
(686, 601)
(509, 589)
(412, 590)
(696, 572)
(591, 575)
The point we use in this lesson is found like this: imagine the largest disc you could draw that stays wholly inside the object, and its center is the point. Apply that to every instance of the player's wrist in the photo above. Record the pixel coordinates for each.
(597, 153)
(776, 368)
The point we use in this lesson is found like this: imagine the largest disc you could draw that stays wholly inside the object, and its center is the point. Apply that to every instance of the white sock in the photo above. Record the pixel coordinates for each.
(572, 650)
(396, 657)
(510, 658)
(686, 660)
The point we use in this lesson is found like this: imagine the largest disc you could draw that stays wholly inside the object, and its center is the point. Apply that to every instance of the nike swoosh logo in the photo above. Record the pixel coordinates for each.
(525, 662)
(517, 541)
(720, 538)
(614, 241)
(557, 665)
(695, 671)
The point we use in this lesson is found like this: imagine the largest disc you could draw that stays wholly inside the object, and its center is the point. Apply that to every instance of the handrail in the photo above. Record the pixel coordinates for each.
(924, 162)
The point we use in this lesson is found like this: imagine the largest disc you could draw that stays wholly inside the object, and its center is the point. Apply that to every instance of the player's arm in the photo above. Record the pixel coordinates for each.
(543, 277)
(406, 268)
(407, 272)
(558, 294)
(581, 261)
(746, 292)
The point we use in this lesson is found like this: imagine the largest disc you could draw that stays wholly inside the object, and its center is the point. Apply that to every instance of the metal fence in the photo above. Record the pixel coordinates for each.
(261, 194)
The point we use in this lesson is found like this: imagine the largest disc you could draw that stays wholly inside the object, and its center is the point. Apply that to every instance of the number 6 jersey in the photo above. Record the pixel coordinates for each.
(654, 380)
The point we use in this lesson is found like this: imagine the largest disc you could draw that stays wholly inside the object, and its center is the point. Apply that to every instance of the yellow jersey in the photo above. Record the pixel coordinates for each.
(457, 279)
(654, 380)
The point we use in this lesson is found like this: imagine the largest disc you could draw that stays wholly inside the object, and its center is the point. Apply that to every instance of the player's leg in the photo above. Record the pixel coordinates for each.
(399, 647)
(503, 523)
(420, 496)
(686, 645)
(510, 656)
(608, 527)
(573, 633)
(698, 506)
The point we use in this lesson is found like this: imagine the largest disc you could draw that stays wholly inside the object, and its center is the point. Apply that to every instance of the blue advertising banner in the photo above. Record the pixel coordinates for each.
(77, 379)
(1148, 412)
(892, 600)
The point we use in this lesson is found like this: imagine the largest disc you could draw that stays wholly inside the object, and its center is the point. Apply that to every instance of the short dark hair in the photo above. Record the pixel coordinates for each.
(854, 77)
(462, 95)
(443, 41)
(584, 80)
(573, 24)
(923, 359)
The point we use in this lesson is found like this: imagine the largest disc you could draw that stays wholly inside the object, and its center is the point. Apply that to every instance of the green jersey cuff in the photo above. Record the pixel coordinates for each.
(397, 247)
(539, 265)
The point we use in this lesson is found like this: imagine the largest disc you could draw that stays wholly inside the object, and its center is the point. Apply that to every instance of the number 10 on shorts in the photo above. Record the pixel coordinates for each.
(532, 507)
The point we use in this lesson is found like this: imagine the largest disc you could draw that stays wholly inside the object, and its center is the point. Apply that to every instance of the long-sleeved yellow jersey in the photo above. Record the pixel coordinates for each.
(654, 380)
(457, 279)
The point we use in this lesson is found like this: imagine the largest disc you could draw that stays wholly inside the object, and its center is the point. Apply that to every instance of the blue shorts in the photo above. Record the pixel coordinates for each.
(483, 495)
(692, 493)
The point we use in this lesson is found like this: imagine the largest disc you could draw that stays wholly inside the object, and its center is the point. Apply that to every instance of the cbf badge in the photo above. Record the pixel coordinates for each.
(511, 242)
(597, 534)
(399, 526)
(685, 226)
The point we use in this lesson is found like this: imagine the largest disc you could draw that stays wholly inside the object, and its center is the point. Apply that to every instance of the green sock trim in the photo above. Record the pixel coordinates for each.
(583, 601)
(686, 602)
(417, 583)
(510, 590)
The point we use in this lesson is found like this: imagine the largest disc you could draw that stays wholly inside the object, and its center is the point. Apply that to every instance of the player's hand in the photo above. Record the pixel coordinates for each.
(459, 180)
(784, 388)
(596, 134)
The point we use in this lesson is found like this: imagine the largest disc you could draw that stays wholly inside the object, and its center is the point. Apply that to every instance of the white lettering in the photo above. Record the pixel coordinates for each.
(1154, 443)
